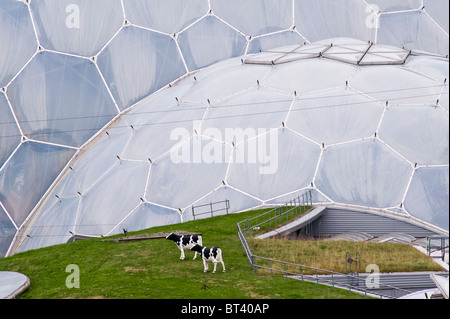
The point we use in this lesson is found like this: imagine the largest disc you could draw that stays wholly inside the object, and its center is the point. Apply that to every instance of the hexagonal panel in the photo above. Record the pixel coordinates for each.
(76, 26)
(264, 167)
(244, 115)
(17, 38)
(331, 15)
(335, 116)
(60, 99)
(255, 17)
(9, 132)
(365, 173)
(54, 226)
(162, 130)
(148, 215)
(94, 163)
(138, 62)
(165, 16)
(428, 193)
(438, 11)
(209, 41)
(189, 172)
(428, 36)
(418, 133)
(28, 174)
(104, 206)
(404, 86)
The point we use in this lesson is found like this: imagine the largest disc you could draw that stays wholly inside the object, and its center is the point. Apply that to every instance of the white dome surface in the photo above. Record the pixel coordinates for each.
(257, 143)
(67, 76)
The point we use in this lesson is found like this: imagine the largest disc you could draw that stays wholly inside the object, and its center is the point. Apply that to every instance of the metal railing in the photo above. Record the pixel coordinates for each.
(277, 216)
(210, 208)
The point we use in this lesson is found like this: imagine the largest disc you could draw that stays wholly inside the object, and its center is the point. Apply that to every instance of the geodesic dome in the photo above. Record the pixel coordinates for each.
(89, 148)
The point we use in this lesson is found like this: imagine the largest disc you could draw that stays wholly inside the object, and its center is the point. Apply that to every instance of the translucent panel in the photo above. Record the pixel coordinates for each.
(138, 62)
(230, 77)
(53, 226)
(148, 215)
(342, 18)
(275, 41)
(209, 41)
(71, 116)
(7, 231)
(308, 76)
(88, 24)
(431, 66)
(103, 207)
(245, 115)
(396, 5)
(17, 39)
(395, 29)
(28, 174)
(334, 116)
(428, 194)
(95, 162)
(270, 161)
(162, 130)
(404, 86)
(237, 202)
(255, 17)
(166, 16)
(364, 173)
(198, 165)
(438, 10)
(421, 134)
(9, 132)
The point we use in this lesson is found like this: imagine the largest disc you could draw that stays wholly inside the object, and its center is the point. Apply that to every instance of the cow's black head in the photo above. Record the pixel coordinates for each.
(197, 248)
(172, 236)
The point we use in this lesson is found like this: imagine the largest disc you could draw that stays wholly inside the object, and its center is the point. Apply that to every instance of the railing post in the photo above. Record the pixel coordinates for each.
(249, 231)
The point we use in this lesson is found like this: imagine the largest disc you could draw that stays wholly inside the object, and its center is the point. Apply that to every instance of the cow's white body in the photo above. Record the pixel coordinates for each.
(185, 242)
(208, 255)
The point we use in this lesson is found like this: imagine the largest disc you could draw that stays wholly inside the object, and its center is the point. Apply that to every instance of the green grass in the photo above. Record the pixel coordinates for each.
(330, 255)
(152, 269)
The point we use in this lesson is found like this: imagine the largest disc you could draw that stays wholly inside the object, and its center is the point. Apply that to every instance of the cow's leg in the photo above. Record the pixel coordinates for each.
(205, 265)
(223, 265)
(215, 265)
(182, 252)
(195, 256)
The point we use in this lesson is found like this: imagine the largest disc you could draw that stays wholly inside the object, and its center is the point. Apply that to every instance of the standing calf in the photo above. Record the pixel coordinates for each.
(208, 255)
(185, 242)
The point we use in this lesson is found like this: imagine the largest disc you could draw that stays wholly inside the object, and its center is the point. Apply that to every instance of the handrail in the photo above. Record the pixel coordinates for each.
(246, 226)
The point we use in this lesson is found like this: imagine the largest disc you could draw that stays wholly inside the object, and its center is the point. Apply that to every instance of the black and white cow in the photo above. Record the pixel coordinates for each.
(208, 255)
(185, 242)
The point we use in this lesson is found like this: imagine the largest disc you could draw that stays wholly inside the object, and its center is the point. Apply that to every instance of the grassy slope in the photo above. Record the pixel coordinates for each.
(152, 269)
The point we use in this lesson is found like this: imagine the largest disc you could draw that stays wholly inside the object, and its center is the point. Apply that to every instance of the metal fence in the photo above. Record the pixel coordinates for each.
(278, 215)
(211, 208)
